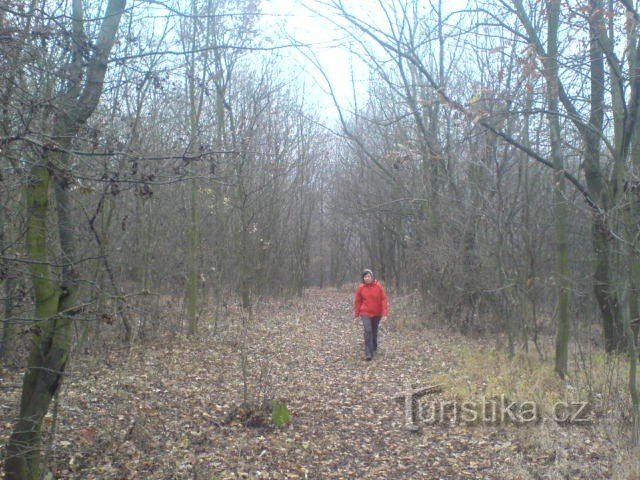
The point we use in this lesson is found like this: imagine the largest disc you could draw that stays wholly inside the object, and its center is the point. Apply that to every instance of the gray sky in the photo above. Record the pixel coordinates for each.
(310, 22)
(292, 18)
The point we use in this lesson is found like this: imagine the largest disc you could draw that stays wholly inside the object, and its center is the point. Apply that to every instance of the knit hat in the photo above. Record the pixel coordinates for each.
(370, 272)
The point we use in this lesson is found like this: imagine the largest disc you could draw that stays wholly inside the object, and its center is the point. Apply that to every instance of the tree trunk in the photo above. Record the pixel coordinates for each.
(603, 275)
(193, 249)
(52, 332)
(605, 292)
(560, 209)
(50, 340)
(8, 326)
(244, 284)
(631, 330)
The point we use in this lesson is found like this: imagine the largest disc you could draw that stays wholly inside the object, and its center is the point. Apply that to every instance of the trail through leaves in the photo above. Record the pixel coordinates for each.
(174, 409)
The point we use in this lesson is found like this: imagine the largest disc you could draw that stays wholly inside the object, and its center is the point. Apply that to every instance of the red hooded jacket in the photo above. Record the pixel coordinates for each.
(371, 300)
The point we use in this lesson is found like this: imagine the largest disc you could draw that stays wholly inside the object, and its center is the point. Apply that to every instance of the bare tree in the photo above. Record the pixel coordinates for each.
(77, 96)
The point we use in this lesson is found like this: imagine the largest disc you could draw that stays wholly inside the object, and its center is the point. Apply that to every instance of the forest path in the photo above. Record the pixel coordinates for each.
(172, 409)
(345, 409)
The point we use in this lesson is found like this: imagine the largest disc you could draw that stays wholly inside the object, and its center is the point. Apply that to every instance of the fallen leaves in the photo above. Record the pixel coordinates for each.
(175, 409)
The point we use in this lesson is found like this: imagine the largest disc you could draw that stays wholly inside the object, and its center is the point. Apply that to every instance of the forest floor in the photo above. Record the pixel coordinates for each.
(180, 409)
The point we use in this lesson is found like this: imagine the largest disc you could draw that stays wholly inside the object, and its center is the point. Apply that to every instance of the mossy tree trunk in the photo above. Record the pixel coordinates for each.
(55, 300)
(49, 342)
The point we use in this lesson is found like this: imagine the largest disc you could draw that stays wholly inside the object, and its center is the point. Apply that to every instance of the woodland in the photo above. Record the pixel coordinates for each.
(188, 200)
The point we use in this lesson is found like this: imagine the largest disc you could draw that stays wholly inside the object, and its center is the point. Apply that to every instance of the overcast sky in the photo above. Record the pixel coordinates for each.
(310, 22)
(300, 21)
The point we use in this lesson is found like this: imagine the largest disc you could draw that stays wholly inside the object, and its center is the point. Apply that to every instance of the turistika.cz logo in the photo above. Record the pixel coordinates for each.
(495, 410)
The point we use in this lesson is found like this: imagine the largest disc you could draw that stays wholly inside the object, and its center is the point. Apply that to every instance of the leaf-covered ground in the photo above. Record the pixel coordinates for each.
(179, 408)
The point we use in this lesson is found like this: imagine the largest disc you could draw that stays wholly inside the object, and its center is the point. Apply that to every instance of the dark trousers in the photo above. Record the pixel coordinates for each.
(370, 325)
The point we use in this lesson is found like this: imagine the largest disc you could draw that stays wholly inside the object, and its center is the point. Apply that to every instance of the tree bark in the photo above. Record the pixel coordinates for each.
(605, 292)
(193, 249)
(50, 340)
(8, 326)
(560, 211)
(54, 303)
(592, 133)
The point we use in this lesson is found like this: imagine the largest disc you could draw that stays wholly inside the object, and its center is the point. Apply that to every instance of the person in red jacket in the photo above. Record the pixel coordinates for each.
(371, 306)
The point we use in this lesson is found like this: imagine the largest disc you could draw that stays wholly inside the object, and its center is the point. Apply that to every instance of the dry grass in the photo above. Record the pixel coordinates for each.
(597, 448)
